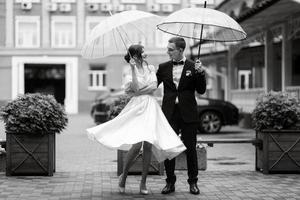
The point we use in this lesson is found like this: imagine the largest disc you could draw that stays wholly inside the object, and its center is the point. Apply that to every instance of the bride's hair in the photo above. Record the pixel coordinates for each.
(134, 50)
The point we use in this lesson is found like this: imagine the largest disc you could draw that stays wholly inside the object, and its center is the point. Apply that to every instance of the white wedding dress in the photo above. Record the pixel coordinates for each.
(141, 120)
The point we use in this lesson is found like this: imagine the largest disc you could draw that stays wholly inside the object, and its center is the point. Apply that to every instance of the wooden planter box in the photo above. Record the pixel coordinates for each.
(158, 168)
(2, 162)
(30, 155)
(136, 168)
(202, 160)
(280, 152)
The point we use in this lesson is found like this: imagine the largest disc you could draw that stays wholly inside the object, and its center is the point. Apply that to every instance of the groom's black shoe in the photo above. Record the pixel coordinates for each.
(168, 188)
(194, 188)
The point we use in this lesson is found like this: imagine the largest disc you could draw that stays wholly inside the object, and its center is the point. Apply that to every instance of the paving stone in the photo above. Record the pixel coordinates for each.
(86, 170)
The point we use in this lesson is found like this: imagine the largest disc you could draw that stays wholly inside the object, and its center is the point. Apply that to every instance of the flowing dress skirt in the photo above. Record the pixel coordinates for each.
(141, 120)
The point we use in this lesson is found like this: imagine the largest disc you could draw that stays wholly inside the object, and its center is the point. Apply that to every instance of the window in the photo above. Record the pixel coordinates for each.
(27, 34)
(63, 1)
(133, 1)
(208, 2)
(32, 1)
(168, 1)
(97, 1)
(97, 78)
(209, 84)
(245, 79)
(91, 22)
(63, 32)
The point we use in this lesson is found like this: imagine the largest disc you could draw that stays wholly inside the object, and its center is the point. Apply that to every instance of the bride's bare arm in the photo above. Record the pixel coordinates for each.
(134, 85)
(148, 89)
(135, 88)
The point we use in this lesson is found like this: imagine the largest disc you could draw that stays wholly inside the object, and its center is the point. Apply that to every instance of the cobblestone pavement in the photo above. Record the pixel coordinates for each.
(86, 170)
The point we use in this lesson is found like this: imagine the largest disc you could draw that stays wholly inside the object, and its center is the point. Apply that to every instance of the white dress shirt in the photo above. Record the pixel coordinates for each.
(177, 71)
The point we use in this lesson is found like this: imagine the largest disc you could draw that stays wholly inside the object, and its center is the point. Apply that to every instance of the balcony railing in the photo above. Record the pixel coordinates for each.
(293, 91)
(245, 99)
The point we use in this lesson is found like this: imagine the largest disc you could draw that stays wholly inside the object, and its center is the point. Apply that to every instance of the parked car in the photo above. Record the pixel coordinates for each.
(100, 106)
(213, 113)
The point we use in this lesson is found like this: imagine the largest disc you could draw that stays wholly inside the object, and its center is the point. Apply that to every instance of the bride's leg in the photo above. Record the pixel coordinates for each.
(147, 153)
(129, 160)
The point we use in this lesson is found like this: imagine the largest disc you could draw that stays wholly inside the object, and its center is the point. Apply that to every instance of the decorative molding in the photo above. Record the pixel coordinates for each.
(276, 32)
(80, 23)
(9, 23)
(168, 1)
(64, 1)
(98, 1)
(27, 1)
(255, 40)
(39, 52)
(208, 2)
(293, 28)
(133, 1)
(71, 63)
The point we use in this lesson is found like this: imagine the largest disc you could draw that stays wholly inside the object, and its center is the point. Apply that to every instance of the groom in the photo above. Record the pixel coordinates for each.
(181, 78)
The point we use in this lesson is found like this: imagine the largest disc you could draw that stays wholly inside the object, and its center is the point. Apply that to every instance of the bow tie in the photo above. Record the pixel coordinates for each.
(178, 63)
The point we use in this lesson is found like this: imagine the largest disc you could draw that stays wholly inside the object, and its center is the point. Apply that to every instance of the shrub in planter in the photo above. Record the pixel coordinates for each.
(116, 107)
(2, 159)
(276, 110)
(275, 119)
(34, 114)
(31, 121)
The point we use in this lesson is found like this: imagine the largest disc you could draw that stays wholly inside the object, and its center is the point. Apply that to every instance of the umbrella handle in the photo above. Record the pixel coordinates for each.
(201, 35)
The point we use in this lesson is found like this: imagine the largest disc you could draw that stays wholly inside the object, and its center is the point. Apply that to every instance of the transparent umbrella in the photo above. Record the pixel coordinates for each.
(116, 32)
(202, 24)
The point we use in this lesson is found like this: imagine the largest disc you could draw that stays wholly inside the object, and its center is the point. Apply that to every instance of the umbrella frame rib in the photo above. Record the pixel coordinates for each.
(114, 29)
(197, 38)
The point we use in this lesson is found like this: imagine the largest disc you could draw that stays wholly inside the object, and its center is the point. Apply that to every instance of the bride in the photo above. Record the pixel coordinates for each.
(141, 124)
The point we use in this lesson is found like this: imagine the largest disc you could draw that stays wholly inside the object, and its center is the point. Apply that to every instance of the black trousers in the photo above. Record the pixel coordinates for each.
(188, 133)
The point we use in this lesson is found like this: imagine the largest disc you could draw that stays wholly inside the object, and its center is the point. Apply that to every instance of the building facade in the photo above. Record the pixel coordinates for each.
(267, 60)
(40, 43)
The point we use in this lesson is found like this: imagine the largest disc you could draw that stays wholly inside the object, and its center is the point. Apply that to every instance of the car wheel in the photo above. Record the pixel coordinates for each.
(210, 122)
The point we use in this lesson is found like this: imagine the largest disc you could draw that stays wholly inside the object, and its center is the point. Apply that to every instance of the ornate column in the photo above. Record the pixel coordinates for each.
(268, 75)
(80, 23)
(9, 23)
(45, 21)
(286, 61)
(230, 75)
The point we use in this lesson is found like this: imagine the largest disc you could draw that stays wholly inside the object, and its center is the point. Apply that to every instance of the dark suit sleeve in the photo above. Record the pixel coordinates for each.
(159, 76)
(200, 82)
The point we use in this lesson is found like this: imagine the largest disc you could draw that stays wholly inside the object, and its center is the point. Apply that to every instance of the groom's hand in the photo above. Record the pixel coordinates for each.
(199, 67)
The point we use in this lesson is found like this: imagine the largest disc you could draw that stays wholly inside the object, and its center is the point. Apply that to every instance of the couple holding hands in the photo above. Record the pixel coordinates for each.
(144, 125)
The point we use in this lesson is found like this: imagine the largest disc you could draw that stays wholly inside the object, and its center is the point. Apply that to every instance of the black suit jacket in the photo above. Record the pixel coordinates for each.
(190, 82)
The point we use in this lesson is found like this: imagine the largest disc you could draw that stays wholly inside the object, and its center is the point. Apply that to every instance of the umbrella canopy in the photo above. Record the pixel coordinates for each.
(115, 33)
(216, 25)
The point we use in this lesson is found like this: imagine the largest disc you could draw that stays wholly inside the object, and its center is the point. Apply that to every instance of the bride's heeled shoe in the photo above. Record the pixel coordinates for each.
(121, 189)
(144, 191)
